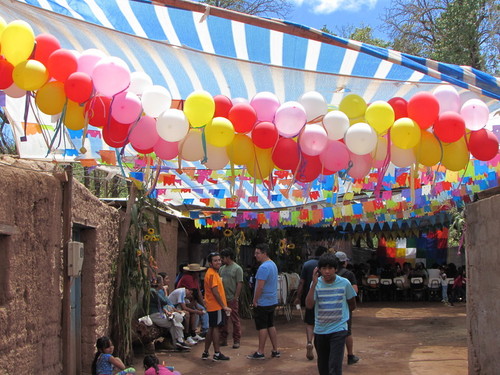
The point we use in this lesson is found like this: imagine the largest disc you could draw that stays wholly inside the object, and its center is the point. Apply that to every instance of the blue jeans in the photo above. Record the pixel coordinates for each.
(203, 317)
(330, 351)
(444, 292)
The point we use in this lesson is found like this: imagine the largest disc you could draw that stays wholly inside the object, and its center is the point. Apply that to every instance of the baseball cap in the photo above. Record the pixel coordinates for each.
(341, 256)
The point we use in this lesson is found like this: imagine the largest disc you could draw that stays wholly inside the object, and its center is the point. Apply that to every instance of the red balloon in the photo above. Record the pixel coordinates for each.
(264, 134)
(222, 106)
(449, 127)
(400, 107)
(145, 152)
(483, 144)
(243, 117)
(78, 87)
(326, 172)
(97, 110)
(423, 108)
(6, 69)
(61, 64)
(309, 169)
(115, 134)
(286, 154)
(45, 45)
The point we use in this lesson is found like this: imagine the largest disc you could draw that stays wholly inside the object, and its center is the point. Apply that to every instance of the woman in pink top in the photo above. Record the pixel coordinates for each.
(153, 367)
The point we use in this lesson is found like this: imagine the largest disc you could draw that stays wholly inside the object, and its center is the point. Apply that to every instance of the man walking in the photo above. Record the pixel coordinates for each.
(332, 297)
(215, 300)
(264, 302)
(232, 278)
(306, 276)
(344, 272)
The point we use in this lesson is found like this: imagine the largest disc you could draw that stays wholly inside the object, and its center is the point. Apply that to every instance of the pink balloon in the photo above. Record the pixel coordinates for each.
(144, 135)
(88, 59)
(166, 150)
(361, 165)
(313, 139)
(126, 107)
(111, 75)
(290, 118)
(335, 156)
(265, 104)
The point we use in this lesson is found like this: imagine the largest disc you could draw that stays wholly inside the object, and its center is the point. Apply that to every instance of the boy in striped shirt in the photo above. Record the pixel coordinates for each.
(333, 297)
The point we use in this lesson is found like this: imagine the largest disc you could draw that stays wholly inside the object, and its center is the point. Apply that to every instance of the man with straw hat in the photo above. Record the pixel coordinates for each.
(191, 280)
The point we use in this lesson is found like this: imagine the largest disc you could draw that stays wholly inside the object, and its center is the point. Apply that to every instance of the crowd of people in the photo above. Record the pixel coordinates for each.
(328, 288)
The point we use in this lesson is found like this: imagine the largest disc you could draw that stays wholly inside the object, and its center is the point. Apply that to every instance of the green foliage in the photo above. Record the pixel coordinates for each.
(7, 144)
(457, 226)
(363, 34)
(100, 182)
(136, 264)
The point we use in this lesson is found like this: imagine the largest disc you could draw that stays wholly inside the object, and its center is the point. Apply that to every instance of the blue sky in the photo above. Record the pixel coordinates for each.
(336, 13)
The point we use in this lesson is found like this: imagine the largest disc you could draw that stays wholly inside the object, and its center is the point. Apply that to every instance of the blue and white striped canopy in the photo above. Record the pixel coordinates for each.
(238, 56)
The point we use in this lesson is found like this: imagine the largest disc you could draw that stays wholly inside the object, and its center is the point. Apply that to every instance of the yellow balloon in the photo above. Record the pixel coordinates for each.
(240, 151)
(74, 117)
(30, 75)
(455, 155)
(380, 116)
(199, 108)
(405, 133)
(50, 98)
(429, 151)
(18, 41)
(356, 120)
(219, 132)
(353, 106)
(261, 166)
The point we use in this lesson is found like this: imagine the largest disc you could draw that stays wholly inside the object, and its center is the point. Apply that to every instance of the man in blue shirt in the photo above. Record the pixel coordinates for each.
(332, 297)
(264, 301)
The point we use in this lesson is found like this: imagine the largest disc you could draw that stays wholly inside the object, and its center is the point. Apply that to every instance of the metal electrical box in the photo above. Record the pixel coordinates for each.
(75, 258)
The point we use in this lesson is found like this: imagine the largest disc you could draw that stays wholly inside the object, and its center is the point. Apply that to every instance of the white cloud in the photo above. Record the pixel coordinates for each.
(330, 6)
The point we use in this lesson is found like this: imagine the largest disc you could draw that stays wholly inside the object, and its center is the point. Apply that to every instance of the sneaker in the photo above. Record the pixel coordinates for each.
(310, 352)
(352, 359)
(220, 357)
(236, 345)
(182, 345)
(256, 355)
(197, 338)
(275, 354)
(190, 341)
(204, 355)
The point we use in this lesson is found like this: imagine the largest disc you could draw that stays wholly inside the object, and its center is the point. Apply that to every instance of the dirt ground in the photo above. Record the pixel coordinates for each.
(414, 338)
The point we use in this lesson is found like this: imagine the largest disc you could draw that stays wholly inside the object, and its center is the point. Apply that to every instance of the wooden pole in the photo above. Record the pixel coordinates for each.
(68, 366)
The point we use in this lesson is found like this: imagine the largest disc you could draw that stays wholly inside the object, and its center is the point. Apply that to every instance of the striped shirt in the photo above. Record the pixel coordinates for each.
(331, 309)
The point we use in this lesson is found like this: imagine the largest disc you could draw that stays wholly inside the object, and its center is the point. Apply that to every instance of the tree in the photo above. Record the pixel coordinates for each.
(363, 34)
(463, 32)
(7, 144)
(280, 8)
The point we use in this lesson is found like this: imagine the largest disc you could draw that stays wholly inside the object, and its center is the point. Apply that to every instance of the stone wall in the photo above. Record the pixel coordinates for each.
(31, 267)
(483, 285)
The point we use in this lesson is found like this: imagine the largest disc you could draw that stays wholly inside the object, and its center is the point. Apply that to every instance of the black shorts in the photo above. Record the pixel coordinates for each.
(264, 317)
(216, 318)
(309, 317)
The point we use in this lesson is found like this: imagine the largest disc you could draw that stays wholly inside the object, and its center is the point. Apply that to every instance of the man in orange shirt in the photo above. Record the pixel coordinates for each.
(215, 301)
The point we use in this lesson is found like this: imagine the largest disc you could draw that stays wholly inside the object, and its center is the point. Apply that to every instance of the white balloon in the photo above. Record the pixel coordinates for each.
(155, 99)
(336, 124)
(216, 157)
(172, 125)
(475, 114)
(139, 81)
(314, 104)
(191, 148)
(15, 91)
(290, 118)
(402, 158)
(313, 139)
(88, 60)
(448, 98)
(361, 138)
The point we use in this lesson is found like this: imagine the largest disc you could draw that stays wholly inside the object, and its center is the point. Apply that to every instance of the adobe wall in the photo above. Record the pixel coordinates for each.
(483, 285)
(31, 267)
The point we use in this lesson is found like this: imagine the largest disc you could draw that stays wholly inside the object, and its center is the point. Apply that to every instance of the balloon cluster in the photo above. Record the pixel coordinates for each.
(305, 136)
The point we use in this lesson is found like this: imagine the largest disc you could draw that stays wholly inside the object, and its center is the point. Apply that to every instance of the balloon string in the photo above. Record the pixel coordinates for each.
(204, 144)
(382, 170)
(24, 138)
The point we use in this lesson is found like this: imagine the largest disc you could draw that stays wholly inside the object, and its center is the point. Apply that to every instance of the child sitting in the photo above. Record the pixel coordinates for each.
(104, 363)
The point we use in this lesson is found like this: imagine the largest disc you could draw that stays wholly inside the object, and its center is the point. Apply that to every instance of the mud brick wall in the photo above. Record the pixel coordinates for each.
(483, 285)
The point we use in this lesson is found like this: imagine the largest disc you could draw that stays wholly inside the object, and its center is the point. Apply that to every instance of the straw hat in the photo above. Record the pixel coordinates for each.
(194, 267)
